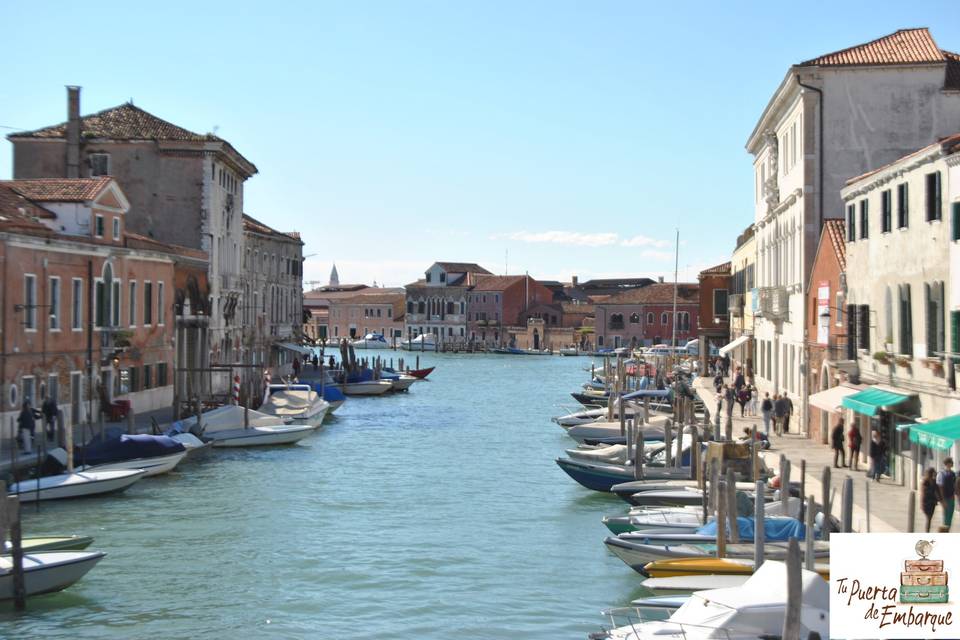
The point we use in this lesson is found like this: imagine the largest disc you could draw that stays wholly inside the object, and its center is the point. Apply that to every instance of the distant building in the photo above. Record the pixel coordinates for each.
(713, 319)
(744, 300)
(334, 277)
(834, 116)
(437, 304)
(87, 319)
(368, 310)
(316, 305)
(644, 316)
(497, 302)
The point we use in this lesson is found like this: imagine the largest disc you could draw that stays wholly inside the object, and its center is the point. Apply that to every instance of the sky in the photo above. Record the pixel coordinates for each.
(555, 138)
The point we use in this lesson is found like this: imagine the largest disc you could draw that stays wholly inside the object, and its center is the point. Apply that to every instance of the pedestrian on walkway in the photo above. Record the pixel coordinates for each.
(743, 397)
(929, 495)
(730, 398)
(718, 380)
(779, 413)
(739, 382)
(754, 396)
(26, 425)
(878, 457)
(49, 409)
(726, 365)
(786, 416)
(947, 489)
(854, 441)
(837, 440)
(766, 409)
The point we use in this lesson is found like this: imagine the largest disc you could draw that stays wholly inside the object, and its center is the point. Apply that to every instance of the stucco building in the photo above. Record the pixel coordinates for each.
(832, 117)
(644, 316)
(437, 304)
(743, 300)
(497, 302)
(368, 310)
(713, 319)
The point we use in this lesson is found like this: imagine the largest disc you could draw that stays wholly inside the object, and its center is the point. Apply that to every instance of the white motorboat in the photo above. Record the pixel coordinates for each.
(153, 466)
(371, 341)
(682, 519)
(47, 572)
(754, 609)
(423, 342)
(191, 443)
(686, 584)
(295, 403)
(572, 351)
(366, 388)
(636, 553)
(225, 427)
(111, 455)
(602, 430)
(403, 382)
(74, 485)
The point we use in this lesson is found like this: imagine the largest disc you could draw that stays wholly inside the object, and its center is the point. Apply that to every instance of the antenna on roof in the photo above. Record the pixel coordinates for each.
(216, 128)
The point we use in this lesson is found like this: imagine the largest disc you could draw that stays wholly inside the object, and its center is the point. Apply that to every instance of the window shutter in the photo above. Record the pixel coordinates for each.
(851, 332)
(931, 319)
(955, 219)
(938, 197)
(955, 331)
(864, 332)
(907, 320)
(941, 323)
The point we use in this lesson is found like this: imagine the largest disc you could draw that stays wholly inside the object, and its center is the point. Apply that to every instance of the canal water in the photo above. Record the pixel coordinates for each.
(437, 513)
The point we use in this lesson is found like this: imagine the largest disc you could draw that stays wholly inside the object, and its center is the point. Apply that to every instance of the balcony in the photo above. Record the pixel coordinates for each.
(616, 326)
(735, 304)
(774, 303)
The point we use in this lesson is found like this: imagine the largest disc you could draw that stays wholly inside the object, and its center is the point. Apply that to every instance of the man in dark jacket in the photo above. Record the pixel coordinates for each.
(49, 409)
(786, 417)
(779, 413)
(26, 425)
(739, 382)
(836, 440)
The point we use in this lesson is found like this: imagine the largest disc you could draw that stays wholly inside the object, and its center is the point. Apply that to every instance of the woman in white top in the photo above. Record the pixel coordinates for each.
(754, 397)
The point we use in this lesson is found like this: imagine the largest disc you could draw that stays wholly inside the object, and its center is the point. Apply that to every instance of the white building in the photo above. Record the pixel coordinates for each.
(832, 117)
(437, 304)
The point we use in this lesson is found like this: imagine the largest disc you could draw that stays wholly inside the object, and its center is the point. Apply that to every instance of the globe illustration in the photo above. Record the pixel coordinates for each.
(924, 547)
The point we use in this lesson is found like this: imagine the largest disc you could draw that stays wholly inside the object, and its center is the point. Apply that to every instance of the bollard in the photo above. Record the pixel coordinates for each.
(911, 511)
(791, 621)
(827, 502)
(759, 534)
(846, 506)
(731, 499)
(809, 556)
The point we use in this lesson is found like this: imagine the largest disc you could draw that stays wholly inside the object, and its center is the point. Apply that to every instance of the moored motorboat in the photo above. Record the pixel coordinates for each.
(36, 544)
(689, 583)
(601, 477)
(261, 436)
(402, 382)
(74, 485)
(423, 342)
(712, 566)
(294, 404)
(371, 341)
(154, 454)
(47, 572)
(421, 373)
(234, 426)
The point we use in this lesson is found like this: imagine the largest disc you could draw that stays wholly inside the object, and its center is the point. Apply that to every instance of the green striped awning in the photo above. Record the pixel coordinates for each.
(939, 434)
(871, 400)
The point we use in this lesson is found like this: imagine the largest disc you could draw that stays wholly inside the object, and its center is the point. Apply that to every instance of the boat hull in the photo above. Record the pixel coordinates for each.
(261, 436)
(155, 466)
(402, 383)
(366, 388)
(76, 485)
(421, 373)
(38, 544)
(48, 572)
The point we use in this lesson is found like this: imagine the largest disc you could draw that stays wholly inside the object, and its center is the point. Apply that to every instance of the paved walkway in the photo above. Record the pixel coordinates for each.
(888, 501)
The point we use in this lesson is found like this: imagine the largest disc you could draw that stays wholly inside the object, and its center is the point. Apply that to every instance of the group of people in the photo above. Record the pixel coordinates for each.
(778, 410)
(27, 422)
(939, 488)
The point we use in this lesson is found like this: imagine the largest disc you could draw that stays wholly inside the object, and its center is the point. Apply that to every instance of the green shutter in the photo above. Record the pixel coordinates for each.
(955, 331)
(955, 216)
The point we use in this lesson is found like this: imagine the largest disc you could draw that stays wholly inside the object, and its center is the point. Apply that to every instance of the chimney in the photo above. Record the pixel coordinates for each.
(661, 279)
(574, 280)
(73, 132)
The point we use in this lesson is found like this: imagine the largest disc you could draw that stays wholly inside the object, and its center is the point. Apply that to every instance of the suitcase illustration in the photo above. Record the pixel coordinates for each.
(923, 566)
(929, 579)
(917, 594)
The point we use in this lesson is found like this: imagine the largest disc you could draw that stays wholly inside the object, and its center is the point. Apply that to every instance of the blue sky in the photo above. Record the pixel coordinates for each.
(574, 137)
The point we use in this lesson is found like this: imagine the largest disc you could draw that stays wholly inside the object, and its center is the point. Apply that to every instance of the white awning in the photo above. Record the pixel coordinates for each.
(733, 345)
(831, 399)
(296, 348)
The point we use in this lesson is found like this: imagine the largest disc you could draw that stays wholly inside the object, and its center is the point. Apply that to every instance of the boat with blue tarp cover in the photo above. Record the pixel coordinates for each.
(153, 454)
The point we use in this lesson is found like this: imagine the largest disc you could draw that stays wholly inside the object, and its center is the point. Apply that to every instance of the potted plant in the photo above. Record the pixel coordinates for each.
(122, 338)
(888, 344)
(903, 361)
(882, 357)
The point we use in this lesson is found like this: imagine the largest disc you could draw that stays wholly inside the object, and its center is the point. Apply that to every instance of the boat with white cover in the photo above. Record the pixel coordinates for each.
(603, 430)
(371, 341)
(75, 485)
(423, 342)
(754, 609)
(680, 519)
(47, 572)
(224, 426)
(294, 404)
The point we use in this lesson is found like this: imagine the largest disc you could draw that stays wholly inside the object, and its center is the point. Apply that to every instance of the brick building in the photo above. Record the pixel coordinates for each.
(713, 324)
(75, 293)
(496, 302)
(644, 316)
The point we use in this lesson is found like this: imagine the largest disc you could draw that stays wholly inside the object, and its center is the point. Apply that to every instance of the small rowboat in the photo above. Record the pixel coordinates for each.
(52, 543)
(420, 373)
(712, 566)
(47, 572)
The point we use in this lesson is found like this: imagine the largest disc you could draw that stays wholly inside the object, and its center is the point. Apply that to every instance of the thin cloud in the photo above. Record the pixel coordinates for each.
(576, 238)
(644, 241)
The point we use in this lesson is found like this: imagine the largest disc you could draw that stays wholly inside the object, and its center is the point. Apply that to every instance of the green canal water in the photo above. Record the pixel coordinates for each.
(438, 513)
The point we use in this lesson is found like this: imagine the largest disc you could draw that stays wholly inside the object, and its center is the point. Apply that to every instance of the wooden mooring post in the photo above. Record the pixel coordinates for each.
(10, 524)
(846, 506)
(667, 442)
(791, 622)
(911, 512)
(731, 499)
(721, 520)
(784, 484)
(809, 557)
(759, 533)
(827, 501)
(803, 487)
(678, 458)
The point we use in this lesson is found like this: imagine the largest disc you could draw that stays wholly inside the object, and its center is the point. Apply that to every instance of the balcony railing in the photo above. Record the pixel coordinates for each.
(774, 303)
(735, 304)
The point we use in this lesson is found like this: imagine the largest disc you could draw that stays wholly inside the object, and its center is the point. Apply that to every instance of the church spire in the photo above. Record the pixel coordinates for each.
(334, 277)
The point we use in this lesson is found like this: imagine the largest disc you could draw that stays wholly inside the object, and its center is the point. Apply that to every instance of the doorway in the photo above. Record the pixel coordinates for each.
(536, 340)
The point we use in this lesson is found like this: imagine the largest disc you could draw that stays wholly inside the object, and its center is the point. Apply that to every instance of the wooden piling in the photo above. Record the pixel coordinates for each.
(629, 439)
(668, 442)
(646, 410)
(623, 416)
(803, 486)
(638, 456)
(694, 452)
(754, 454)
(721, 521)
(846, 506)
(731, 499)
(866, 489)
(791, 622)
(11, 521)
(827, 500)
(678, 458)
(911, 511)
(759, 533)
(784, 484)
(808, 554)
(714, 482)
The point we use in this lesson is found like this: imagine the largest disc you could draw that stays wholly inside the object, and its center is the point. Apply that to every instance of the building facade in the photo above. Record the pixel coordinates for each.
(644, 317)
(86, 319)
(832, 117)
(713, 319)
(437, 304)
(496, 302)
(368, 310)
(743, 300)
(899, 233)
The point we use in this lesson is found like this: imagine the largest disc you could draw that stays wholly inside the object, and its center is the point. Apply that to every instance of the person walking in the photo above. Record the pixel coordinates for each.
(726, 365)
(929, 495)
(766, 410)
(49, 410)
(743, 397)
(789, 412)
(26, 425)
(779, 413)
(878, 459)
(739, 382)
(754, 396)
(836, 439)
(718, 380)
(854, 441)
(947, 490)
(730, 398)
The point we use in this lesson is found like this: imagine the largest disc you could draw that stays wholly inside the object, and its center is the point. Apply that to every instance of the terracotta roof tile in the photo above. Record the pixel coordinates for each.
(906, 46)
(719, 270)
(19, 214)
(658, 293)
(462, 267)
(125, 122)
(834, 228)
(252, 224)
(60, 189)
(497, 283)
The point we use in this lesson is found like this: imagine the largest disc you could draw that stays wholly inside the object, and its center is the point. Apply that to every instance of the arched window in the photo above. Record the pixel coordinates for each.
(634, 318)
(650, 318)
(616, 321)
(410, 306)
(420, 307)
(663, 318)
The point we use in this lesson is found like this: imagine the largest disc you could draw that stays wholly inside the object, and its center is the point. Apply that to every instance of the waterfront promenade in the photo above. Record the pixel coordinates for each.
(888, 500)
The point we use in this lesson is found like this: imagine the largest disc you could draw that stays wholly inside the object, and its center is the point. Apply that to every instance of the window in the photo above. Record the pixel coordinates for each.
(933, 197)
(649, 318)
(634, 318)
(863, 326)
(77, 314)
(409, 306)
(906, 321)
(428, 276)
(616, 321)
(161, 374)
(886, 211)
(115, 304)
(443, 278)
(147, 303)
(99, 228)
(903, 205)
(116, 228)
(378, 312)
(389, 312)
(147, 370)
(28, 385)
(864, 219)
(421, 307)
(30, 303)
(450, 308)
(98, 302)
(935, 323)
(54, 288)
(161, 316)
(663, 318)
(132, 312)
(955, 220)
(99, 164)
(851, 222)
(53, 387)
(955, 332)
(720, 307)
